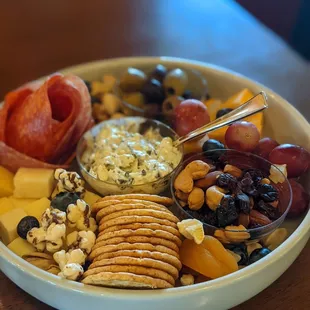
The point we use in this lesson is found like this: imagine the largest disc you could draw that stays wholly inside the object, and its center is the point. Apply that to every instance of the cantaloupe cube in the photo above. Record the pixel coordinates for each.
(5, 205)
(90, 197)
(6, 182)
(37, 208)
(8, 224)
(21, 247)
(33, 183)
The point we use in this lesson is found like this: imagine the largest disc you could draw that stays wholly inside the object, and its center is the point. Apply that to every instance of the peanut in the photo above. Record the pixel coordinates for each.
(196, 198)
(208, 180)
(233, 170)
(214, 195)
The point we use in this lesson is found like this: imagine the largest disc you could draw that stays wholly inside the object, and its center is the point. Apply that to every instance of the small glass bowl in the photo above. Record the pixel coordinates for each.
(197, 85)
(243, 161)
(109, 188)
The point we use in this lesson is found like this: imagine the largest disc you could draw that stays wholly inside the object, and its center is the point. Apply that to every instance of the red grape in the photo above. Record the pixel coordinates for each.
(300, 199)
(295, 157)
(242, 136)
(265, 146)
(190, 115)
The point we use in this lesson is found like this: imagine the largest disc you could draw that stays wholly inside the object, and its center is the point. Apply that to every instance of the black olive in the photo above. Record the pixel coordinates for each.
(243, 203)
(227, 181)
(26, 224)
(241, 250)
(159, 73)
(63, 200)
(153, 92)
(258, 254)
(187, 94)
(95, 99)
(222, 112)
(213, 149)
(226, 212)
(88, 85)
(267, 192)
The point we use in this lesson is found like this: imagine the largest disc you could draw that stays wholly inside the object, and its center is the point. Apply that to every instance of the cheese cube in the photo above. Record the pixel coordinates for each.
(21, 247)
(5, 205)
(33, 183)
(90, 198)
(8, 224)
(37, 208)
(6, 182)
(20, 202)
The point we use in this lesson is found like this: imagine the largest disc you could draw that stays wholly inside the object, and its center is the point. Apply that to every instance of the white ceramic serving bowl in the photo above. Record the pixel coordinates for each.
(283, 123)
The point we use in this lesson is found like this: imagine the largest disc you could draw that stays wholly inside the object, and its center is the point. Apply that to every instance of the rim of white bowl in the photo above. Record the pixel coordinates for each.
(249, 271)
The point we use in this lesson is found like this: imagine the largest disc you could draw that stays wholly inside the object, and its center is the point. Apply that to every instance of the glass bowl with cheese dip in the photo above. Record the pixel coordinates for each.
(129, 155)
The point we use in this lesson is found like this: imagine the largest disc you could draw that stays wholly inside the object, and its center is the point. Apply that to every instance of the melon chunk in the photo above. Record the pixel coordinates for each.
(21, 247)
(6, 182)
(33, 183)
(37, 208)
(8, 224)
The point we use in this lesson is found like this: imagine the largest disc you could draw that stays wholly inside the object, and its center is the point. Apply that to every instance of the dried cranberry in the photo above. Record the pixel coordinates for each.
(268, 210)
(267, 192)
(247, 185)
(227, 181)
(243, 203)
(226, 213)
(204, 215)
(255, 174)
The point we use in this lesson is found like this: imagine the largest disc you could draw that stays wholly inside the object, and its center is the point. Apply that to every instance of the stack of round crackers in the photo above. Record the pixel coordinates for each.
(138, 243)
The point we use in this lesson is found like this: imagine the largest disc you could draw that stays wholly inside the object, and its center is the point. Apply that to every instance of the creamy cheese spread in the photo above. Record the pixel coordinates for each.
(121, 155)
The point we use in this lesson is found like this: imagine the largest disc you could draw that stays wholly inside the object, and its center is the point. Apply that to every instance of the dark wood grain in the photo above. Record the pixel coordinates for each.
(39, 37)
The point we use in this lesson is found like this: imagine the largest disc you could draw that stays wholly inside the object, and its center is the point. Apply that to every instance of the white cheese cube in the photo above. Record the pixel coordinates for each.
(21, 247)
(33, 183)
(8, 224)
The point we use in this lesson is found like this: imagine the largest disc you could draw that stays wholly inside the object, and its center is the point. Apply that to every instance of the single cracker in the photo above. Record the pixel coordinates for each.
(53, 269)
(140, 212)
(135, 219)
(138, 239)
(41, 263)
(128, 206)
(134, 226)
(98, 206)
(145, 262)
(138, 270)
(154, 198)
(140, 232)
(164, 257)
(125, 280)
(132, 246)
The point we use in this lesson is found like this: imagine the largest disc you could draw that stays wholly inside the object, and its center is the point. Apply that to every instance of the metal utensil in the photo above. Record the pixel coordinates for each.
(256, 104)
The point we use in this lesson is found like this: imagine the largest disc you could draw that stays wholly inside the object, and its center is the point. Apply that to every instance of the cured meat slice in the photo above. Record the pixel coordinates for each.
(40, 124)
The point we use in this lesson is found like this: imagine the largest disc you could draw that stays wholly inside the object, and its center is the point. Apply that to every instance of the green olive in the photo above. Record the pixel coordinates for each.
(132, 80)
(170, 104)
(175, 82)
(136, 99)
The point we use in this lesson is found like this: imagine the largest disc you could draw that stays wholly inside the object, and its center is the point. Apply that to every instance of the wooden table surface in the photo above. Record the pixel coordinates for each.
(39, 37)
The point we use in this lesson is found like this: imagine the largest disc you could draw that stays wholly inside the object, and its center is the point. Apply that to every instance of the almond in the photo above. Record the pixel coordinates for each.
(208, 180)
(259, 218)
(244, 219)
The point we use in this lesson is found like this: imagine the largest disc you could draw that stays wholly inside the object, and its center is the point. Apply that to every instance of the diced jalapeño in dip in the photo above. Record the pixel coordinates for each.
(121, 155)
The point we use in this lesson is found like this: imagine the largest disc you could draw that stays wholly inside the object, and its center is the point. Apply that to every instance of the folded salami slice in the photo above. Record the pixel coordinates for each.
(40, 124)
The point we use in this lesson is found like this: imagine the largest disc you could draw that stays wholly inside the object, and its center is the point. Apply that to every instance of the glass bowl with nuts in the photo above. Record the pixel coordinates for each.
(238, 196)
(129, 155)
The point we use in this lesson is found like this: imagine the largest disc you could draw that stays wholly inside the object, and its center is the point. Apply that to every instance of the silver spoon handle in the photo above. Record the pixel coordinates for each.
(256, 104)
